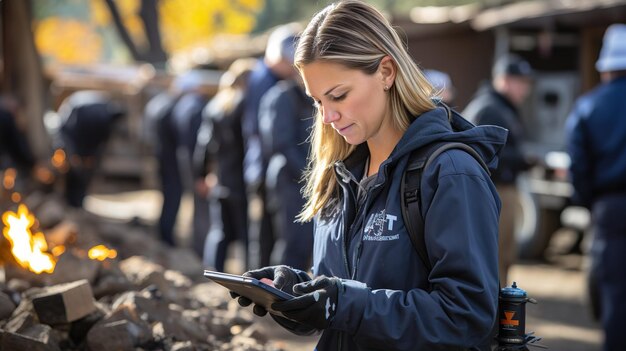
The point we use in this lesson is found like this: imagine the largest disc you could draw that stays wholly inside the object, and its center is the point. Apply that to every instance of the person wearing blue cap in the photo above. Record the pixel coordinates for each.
(596, 138)
(497, 104)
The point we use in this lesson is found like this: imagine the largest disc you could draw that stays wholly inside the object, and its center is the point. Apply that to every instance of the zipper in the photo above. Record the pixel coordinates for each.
(359, 247)
(346, 177)
(370, 194)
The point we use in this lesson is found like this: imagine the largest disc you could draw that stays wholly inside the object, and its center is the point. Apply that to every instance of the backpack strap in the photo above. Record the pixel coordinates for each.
(410, 187)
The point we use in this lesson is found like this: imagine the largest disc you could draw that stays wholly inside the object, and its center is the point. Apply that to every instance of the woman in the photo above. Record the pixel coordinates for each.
(371, 291)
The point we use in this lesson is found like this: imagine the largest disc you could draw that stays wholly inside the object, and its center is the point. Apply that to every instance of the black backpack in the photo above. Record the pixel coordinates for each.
(419, 160)
(410, 196)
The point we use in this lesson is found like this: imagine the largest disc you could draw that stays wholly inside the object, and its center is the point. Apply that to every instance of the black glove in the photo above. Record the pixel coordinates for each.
(284, 279)
(316, 304)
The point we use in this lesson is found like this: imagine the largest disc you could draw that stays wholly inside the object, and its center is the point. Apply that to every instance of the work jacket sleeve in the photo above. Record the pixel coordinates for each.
(461, 224)
(511, 156)
(285, 131)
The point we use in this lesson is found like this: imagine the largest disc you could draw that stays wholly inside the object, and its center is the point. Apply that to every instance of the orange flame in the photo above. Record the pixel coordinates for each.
(58, 158)
(58, 250)
(101, 253)
(28, 249)
(16, 197)
(9, 178)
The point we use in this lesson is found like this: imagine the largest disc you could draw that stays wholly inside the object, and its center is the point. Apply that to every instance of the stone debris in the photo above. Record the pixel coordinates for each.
(6, 306)
(15, 341)
(150, 297)
(64, 303)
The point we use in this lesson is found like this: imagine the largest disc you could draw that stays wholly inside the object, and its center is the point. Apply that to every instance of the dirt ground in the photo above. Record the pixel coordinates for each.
(561, 316)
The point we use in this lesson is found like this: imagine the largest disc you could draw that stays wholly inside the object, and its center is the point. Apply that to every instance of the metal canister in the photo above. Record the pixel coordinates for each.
(512, 315)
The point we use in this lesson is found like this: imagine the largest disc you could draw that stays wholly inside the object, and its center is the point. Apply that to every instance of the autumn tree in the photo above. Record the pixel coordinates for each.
(23, 73)
(148, 30)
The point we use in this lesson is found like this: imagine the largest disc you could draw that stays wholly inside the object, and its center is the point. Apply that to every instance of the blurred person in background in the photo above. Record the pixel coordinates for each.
(218, 162)
(173, 118)
(158, 115)
(596, 138)
(497, 104)
(186, 117)
(277, 64)
(286, 118)
(87, 120)
(443, 83)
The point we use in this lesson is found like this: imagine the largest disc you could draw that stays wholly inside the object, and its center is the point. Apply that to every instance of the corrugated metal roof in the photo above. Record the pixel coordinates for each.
(521, 11)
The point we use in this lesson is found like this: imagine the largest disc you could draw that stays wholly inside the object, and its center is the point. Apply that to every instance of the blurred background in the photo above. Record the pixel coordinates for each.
(132, 50)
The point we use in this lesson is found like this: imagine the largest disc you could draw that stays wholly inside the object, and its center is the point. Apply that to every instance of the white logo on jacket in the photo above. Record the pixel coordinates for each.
(375, 227)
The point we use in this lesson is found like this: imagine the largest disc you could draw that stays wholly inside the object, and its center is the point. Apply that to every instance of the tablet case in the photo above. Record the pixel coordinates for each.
(255, 290)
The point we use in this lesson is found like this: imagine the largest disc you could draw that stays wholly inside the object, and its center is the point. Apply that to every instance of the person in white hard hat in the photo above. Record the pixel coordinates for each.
(596, 130)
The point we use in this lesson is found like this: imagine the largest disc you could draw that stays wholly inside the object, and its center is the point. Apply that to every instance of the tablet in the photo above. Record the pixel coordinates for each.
(257, 291)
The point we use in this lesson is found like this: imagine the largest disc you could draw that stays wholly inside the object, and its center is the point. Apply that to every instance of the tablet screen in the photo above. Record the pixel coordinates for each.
(255, 290)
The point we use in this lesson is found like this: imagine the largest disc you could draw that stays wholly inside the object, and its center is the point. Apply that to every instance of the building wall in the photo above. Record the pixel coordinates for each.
(465, 55)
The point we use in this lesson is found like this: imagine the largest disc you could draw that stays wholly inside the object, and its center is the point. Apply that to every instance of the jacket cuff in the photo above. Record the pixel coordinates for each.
(351, 301)
(294, 327)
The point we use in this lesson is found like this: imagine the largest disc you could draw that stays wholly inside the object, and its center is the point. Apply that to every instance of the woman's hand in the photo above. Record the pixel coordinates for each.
(283, 278)
(315, 304)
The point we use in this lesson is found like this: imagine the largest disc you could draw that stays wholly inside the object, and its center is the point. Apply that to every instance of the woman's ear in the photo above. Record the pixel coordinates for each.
(387, 70)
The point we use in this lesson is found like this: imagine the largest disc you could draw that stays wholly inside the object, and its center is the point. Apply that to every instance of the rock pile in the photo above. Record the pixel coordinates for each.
(148, 298)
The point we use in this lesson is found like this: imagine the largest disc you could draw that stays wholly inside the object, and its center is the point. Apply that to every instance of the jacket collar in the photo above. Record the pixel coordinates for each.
(436, 125)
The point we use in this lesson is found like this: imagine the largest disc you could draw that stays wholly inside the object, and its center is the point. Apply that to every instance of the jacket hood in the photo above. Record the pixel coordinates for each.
(436, 126)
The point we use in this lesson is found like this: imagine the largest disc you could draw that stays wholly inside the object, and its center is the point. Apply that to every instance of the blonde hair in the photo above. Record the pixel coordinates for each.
(233, 83)
(355, 35)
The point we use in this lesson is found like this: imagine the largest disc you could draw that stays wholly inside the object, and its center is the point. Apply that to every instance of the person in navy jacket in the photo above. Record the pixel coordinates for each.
(370, 289)
(596, 138)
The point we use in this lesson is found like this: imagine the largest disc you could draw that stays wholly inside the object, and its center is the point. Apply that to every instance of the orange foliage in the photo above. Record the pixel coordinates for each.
(183, 24)
(68, 40)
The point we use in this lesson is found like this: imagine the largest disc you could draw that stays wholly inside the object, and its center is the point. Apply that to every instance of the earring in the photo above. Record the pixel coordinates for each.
(386, 87)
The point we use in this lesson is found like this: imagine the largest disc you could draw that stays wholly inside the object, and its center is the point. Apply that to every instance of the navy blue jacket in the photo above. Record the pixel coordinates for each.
(389, 301)
(261, 79)
(88, 118)
(596, 130)
(489, 107)
(219, 147)
(286, 116)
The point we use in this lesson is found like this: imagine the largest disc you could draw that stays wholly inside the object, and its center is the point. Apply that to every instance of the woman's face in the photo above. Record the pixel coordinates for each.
(352, 102)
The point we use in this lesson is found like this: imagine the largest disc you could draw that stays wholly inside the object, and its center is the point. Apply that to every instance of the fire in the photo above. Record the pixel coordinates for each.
(58, 158)
(16, 197)
(9, 178)
(58, 250)
(29, 250)
(101, 253)
(59, 161)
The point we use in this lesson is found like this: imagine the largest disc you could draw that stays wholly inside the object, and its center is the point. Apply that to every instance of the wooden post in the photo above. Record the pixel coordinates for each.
(23, 73)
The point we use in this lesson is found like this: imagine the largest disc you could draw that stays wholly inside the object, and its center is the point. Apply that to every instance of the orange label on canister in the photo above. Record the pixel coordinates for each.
(508, 319)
